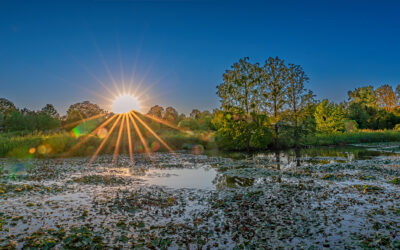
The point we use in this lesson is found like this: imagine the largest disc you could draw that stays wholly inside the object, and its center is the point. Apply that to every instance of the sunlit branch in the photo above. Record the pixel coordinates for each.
(104, 140)
(153, 133)
(72, 124)
(121, 129)
(128, 128)
(143, 141)
(76, 146)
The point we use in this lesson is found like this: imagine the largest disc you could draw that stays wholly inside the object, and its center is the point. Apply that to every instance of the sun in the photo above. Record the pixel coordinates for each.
(125, 104)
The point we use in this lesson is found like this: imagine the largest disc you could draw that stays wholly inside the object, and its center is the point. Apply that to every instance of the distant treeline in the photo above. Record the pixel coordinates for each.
(262, 106)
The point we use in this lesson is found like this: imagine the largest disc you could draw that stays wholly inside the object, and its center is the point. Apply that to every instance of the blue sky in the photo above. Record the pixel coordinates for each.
(52, 51)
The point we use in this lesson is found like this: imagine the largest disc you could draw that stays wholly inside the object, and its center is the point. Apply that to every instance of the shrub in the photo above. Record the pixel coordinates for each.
(350, 126)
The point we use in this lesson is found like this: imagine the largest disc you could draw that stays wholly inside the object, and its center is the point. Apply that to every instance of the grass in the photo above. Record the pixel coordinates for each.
(40, 145)
(362, 136)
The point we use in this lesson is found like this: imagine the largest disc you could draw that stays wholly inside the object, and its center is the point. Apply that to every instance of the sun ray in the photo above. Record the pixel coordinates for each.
(140, 82)
(108, 70)
(121, 66)
(121, 129)
(102, 96)
(143, 141)
(76, 146)
(165, 123)
(99, 81)
(105, 140)
(153, 133)
(128, 128)
(72, 124)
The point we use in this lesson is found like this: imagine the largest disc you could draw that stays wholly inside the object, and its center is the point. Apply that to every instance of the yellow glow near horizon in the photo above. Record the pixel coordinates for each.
(124, 104)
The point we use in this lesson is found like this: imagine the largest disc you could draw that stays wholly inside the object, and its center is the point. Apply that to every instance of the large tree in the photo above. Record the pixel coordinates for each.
(171, 114)
(274, 77)
(239, 89)
(298, 100)
(82, 110)
(386, 98)
(156, 111)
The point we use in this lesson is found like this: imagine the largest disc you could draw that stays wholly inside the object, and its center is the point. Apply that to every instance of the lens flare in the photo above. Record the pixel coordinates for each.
(125, 104)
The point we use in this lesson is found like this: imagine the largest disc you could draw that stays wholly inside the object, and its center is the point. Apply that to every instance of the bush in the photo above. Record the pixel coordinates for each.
(240, 131)
(350, 126)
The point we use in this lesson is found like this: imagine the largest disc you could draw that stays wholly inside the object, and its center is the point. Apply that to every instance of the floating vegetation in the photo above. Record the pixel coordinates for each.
(244, 202)
(101, 180)
(395, 180)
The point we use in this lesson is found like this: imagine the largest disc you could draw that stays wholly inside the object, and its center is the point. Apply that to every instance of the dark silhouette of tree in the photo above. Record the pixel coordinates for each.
(6, 107)
(50, 111)
(195, 114)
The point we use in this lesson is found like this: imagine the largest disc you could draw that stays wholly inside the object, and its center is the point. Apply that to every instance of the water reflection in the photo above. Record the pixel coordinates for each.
(224, 181)
(219, 171)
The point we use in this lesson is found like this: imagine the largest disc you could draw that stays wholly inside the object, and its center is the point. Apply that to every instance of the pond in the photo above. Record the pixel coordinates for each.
(326, 197)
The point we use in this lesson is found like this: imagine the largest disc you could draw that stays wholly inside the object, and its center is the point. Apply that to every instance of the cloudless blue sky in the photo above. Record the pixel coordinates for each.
(52, 51)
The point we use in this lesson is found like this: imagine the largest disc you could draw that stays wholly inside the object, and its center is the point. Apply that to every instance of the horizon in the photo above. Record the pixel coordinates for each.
(57, 52)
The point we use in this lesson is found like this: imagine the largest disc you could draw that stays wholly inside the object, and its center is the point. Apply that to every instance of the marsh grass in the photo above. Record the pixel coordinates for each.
(361, 136)
(42, 145)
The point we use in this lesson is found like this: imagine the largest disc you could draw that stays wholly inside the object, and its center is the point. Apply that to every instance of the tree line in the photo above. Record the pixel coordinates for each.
(13, 119)
(262, 106)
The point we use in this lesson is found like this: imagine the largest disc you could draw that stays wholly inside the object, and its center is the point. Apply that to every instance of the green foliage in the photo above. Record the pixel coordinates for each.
(83, 238)
(350, 126)
(364, 96)
(1, 122)
(6, 107)
(32, 121)
(200, 121)
(239, 131)
(240, 87)
(352, 137)
(275, 89)
(170, 115)
(359, 114)
(156, 111)
(299, 102)
(82, 110)
(189, 124)
(50, 111)
(329, 117)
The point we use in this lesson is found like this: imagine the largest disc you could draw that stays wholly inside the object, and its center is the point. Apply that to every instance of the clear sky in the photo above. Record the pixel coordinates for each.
(53, 52)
